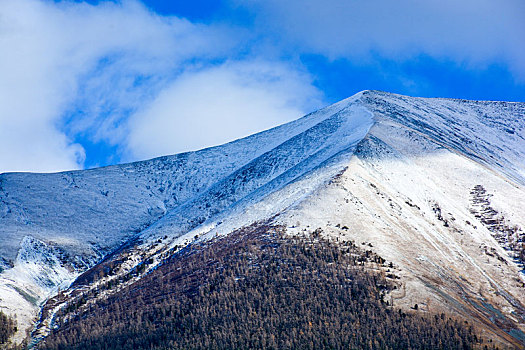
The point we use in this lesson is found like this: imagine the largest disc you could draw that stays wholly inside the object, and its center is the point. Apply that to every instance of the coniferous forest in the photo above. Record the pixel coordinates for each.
(7, 327)
(257, 289)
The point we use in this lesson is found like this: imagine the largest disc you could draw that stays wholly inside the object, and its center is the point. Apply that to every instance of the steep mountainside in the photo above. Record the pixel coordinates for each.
(434, 185)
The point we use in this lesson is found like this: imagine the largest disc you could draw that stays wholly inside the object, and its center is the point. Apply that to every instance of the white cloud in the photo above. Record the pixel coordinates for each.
(96, 63)
(219, 104)
(476, 32)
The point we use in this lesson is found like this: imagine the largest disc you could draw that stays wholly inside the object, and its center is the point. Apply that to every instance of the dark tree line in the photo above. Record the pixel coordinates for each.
(256, 289)
(7, 328)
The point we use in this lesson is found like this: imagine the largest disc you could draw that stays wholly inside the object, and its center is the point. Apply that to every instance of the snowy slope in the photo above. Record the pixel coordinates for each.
(88, 213)
(492, 133)
(104, 207)
(391, 168)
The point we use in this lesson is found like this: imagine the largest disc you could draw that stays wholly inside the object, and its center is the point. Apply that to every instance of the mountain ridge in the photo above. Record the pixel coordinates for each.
(273, 173)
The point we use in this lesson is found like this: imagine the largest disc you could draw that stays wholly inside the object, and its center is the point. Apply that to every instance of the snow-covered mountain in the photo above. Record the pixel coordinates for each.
(436, 186)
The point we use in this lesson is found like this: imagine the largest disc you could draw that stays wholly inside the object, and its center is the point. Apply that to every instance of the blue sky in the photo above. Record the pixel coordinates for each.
(94, 83)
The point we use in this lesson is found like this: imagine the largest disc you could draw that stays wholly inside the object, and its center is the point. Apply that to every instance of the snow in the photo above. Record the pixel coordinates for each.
(492, 133)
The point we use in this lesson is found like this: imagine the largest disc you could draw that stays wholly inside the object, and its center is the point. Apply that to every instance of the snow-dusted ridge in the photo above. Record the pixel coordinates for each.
(368, 162)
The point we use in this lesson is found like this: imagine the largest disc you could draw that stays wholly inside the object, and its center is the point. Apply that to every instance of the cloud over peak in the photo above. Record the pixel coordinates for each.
(92, 84)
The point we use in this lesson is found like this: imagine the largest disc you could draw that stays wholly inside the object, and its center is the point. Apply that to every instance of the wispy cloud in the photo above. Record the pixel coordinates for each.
(219, 104)
(474, 32)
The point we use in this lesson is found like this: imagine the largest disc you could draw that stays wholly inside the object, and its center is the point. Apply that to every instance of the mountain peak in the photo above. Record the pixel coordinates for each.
(397, 171)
